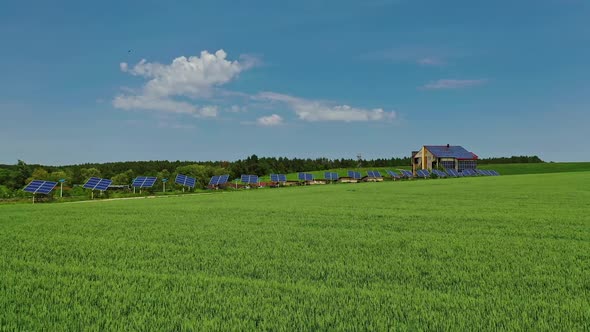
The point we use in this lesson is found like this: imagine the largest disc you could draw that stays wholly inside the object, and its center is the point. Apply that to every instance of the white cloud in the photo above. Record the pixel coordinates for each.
(194, 78)
(313, 111)
(164, 105)
(452, 84)
(271, 120)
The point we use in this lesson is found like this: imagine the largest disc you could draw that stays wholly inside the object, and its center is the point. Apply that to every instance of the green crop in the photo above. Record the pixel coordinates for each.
(484, 253)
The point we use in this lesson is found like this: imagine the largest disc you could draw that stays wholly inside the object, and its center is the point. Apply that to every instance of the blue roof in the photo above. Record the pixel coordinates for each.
(453, 151)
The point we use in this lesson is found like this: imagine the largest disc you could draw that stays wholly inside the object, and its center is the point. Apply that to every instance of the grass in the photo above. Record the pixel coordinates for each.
(486, 253)
(512, 169)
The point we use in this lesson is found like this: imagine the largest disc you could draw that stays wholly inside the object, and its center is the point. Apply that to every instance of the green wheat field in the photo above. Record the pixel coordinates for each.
(482, 253)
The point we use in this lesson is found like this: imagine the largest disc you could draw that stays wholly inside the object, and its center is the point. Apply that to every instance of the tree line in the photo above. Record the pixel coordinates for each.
(16, 176)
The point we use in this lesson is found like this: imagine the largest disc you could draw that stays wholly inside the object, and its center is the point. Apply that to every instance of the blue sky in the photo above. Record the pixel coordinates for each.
(112, 81)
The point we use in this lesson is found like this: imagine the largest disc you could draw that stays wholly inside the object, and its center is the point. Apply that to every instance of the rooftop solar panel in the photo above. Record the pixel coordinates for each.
(40, 187)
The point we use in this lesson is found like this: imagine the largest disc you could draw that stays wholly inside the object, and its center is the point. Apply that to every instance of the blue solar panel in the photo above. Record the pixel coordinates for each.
(439, 173)
(219, 179)
(40, 187)
(495, 173)
(186, 181)
(423, 173)
(144, 182)
(468, 172)
(393, 174)
(333, 176)
(91, 183)
(406, 173)
(278, 178)
(97, 184)
(354, 175)
(249, 178)
(452, 172)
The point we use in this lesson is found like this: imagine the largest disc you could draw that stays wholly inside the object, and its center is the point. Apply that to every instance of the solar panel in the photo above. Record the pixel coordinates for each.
(406, 173)
(374, 174)
(468, 172)
(354, 175)
(392, 174)
(97, 184)
(452, 172)
(278, 178)
(333, 176)
(423, 173)
(214, 180)
(495, 173)
(439, 173)
(186, 181)
(249, 178)
(144, 181)
(301, 176)
(40, 187)
(480, 172)
(222, 179)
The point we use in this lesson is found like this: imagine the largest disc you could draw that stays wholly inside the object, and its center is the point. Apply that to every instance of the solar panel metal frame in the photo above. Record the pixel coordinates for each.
(40, 187)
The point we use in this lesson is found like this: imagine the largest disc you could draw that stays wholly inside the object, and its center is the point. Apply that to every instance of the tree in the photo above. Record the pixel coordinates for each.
(39, 174)
(123, 178)
(58, 175)
(88, 173)
(23, 172)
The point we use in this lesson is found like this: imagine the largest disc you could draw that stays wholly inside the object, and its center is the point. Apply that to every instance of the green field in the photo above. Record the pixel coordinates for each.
(484, 253)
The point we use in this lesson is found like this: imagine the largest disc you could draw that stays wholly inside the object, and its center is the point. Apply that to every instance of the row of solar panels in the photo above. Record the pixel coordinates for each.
(94, 183)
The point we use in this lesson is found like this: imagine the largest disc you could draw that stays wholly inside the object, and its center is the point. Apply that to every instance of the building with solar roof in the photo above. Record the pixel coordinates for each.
(443, 157)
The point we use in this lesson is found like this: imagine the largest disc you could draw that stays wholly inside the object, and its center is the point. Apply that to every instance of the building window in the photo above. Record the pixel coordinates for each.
(447, 164)
(467, 164)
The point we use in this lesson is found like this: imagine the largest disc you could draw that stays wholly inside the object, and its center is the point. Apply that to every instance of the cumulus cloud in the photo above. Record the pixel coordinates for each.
(452, 84)
(194, 78)
(271, 120)
(314, 111)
